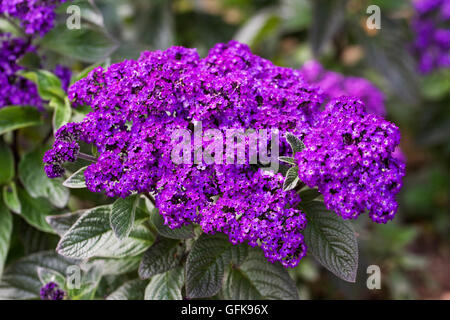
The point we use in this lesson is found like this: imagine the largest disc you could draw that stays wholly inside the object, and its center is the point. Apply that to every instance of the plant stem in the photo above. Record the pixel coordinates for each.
(87, 157)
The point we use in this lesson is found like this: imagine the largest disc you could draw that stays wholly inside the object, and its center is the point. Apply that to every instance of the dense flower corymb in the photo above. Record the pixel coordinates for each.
(35, 16)
(432, 34)
(349, 157)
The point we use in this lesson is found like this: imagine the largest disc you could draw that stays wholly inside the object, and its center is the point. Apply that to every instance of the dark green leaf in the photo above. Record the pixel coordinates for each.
(331, 240)
(184, 232)
(16, 117)
(291, 180)
(295, 143)
(163, 255)
(166, 286)
(122, 215)
(256, 278)
(309, 195)
(289, 160)
(206, 264)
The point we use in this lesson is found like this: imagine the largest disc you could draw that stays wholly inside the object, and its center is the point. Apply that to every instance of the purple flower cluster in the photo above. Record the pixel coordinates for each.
(335, 85)
(14, 89)
(137, 105)
(432, 34)
(51, 291)
(349, 157)
(35, 16)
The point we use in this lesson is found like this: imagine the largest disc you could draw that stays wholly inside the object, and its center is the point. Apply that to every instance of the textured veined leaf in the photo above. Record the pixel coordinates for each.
(295, 143)
(123, 212)
(62, 112)
(163, 255)
(256, 278)
(166, 286)
(185, 232)
(291, 180)
(91, 236)
(131, 290)
(206, 264)
(331, 240)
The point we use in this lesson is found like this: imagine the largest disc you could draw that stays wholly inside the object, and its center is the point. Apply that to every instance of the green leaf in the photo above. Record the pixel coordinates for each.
(289, 160)
(61, 223)
(185, 232)
(35, 210)
(331, 240)
(295, 143)
(309, 195)
(6, 163)
(257, 278)
(166, 286)
(291, 180)
(122, 215)
(16, 117)
(6, 226)
(86, 44)
(36, 182)
(131, 290)
(205, 266)
(115, 267)
(11, 198)
(62, 112)
(163, 255)
(76, 180)
(21, 280)
(48, 84)
(92, 236)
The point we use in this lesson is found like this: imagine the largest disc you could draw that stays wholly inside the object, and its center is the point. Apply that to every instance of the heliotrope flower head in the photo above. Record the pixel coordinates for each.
(335, 85)
(432, 34)
(14, 89)
(35, 16)
(349, 157)
(51, 291)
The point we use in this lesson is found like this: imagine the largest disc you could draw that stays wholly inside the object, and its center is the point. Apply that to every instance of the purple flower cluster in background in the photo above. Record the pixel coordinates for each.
(335, 85)
(432, 34)
(51, 291)
(137, 105)
(349, 157)
(14, 89)
(35, 16)
(64, 74)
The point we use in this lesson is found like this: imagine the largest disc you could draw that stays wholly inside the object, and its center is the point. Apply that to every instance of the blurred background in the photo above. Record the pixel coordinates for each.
(413, 251)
